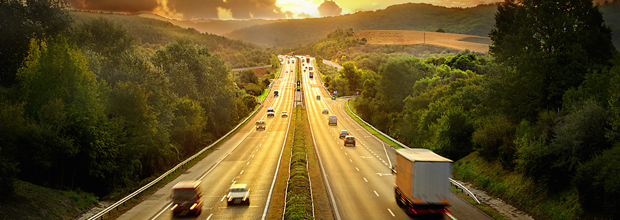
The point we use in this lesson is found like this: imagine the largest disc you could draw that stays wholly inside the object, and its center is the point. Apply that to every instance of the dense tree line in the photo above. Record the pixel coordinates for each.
(82, 107)
(545, 105)
(152, 33)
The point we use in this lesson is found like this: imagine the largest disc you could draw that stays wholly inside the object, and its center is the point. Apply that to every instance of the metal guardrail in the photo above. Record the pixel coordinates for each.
(453, 182)
(380, 132)
(464, 189)
(145, 187)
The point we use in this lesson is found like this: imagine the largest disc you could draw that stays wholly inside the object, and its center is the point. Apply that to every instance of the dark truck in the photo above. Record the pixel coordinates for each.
(186, 198)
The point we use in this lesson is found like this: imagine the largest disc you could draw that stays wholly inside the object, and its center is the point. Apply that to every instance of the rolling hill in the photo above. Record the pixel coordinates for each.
(476, 21)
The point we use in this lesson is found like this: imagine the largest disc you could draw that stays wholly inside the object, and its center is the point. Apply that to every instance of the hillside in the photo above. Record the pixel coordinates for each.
(454, 41)
(211, 26)
(152, 33)
(477, 21)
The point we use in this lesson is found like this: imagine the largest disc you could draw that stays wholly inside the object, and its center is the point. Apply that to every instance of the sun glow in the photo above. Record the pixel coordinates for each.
(300, 7)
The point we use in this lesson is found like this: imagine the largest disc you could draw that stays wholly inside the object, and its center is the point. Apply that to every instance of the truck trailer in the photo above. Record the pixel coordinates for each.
(422, 181)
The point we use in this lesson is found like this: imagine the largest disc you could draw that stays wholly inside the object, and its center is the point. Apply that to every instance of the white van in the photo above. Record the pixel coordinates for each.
(333, 120)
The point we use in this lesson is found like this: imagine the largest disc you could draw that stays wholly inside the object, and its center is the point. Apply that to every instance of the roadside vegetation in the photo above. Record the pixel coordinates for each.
(35, 202)
(89, 105)
(536, 124)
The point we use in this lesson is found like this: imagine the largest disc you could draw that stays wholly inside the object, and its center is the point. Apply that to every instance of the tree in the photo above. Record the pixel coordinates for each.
(352, 75)
(551, 44)
(248, 76)
(64, 98)
(275, 61)
(398, 76)
(105, 37)
(21, 21)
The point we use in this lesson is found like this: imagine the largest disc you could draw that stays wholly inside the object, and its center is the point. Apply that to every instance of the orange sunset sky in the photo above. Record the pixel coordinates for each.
(254, 9)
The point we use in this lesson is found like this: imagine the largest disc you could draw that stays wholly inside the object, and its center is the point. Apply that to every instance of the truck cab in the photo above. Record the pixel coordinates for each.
(186, 198)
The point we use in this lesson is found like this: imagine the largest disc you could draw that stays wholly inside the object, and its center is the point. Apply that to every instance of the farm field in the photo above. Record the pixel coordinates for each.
(449, 40)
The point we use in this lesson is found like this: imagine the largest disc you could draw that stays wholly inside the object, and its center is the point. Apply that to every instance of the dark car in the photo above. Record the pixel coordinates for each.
(349, 140)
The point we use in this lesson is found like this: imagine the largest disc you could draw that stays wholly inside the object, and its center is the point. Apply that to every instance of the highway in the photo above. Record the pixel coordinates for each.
(360, 177)
(360, 182)
(248, 156)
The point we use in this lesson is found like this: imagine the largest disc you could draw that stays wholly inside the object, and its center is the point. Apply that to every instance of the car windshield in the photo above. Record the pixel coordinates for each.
(184, 194)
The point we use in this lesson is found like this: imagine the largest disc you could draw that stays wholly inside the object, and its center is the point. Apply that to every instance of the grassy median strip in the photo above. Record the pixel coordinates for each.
(276, 206)
(368, 128)
(298, 197)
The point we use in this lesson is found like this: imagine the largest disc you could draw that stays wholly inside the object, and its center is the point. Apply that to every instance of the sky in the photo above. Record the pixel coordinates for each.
(254, 9)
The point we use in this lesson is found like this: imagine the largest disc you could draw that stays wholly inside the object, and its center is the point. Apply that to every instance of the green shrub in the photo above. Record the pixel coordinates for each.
(598, 183)
(490, 136)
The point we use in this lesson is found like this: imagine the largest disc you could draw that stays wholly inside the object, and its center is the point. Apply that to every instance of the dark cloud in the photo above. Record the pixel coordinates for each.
(115, 5)
(329, 8)
(193, 9)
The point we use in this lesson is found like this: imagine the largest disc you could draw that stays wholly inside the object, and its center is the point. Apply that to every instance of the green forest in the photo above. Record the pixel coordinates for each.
(99, 102)
(544, 106)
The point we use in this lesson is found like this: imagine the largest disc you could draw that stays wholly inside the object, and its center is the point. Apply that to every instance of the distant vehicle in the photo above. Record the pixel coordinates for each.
(260, 125)
(271, 112)
(349, 140)
(310, 68)
(275, 93)
(284, 114)
(288, 62)
(311, 74)
(343, 134)
(307, 59)
(422, 184)
(187, 198)
(333, 120)
(333, 97)
(325, 111)
(318, 97)
(238, 194)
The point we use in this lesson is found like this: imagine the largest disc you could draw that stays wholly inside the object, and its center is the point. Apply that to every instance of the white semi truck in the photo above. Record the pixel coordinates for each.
(422, 181)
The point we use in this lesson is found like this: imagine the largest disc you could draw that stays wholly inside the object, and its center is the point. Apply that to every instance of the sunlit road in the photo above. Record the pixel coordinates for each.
(248, 156)
(360, 177)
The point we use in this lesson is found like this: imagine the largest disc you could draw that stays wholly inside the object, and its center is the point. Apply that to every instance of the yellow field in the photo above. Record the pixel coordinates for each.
(399, 37)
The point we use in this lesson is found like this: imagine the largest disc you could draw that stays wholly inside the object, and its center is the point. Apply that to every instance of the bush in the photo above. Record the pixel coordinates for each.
(440, 30)
(253, 89)
(598, 183)
(453, 134)
(489, 137)
(249, 101)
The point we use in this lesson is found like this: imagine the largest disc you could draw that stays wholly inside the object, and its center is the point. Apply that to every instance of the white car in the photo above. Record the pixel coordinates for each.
(238, 194)
(284, 114)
